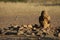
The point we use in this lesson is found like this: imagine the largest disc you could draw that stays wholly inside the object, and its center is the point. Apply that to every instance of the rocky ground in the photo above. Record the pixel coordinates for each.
(29, 32)
(26, 13)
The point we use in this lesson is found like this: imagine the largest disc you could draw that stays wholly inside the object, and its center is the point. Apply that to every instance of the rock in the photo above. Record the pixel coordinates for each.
(25, 26)
(0, 31)
(29, 32)
(21, 28)
(29, 26)
(38, 30)
(11, 27)
(58, 34)
(33, 34)
(9, 32)
(27, 35)
(55, 34)
(20, 33)
(58, 29)
(16, 26)
(33, 29)
(44, 34)
(6, 28)
(44, 30)
(36, 26)
(39, 33)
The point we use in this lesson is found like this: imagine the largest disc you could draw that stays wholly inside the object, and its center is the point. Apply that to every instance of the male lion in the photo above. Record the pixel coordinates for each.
(44, 20)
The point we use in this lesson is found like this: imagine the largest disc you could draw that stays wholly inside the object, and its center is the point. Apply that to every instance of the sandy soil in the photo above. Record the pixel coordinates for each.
(26, 13)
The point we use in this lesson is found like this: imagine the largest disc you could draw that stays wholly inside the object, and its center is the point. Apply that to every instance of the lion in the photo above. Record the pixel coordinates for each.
(44, 20)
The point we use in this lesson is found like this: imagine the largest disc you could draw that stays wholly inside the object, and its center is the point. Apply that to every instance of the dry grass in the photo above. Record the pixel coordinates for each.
(26, 13)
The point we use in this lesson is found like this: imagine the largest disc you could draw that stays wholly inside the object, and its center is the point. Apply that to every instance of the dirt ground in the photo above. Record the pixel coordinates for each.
(26, 13)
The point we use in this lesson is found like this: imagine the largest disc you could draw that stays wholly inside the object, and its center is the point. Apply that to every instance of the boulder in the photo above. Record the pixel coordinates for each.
(29, 26)
(20, 33)
(25, 26)
(58, 34)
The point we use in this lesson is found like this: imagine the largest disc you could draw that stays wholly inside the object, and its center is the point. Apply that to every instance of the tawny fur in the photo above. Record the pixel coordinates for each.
(44, 20)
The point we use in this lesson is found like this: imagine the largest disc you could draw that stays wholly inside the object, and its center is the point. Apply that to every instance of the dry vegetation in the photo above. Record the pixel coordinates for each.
(26, 13)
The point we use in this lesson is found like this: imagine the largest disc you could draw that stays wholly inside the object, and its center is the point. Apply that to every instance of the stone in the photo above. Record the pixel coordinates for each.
(29, 26)
(33, 34)
(20, 33)
(21, 28)
(58, 34)
(39, 33)
(25, 26)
